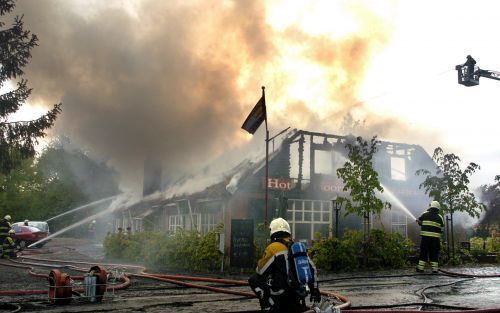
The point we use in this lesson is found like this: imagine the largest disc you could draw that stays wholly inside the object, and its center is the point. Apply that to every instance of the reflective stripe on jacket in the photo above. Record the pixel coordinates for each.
(274, 267)
(431, 223)
(275, 253)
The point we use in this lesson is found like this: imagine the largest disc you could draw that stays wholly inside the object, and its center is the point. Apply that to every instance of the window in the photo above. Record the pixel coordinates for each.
(307, 217)
(399, 224)
(201, 222)
(207, 223)
(322, 162)
(208, 211)
(137, 224)
(175, 222)
(398, 170)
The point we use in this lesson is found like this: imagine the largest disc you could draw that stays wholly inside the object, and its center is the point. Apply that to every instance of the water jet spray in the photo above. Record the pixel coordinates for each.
(110, 209)
(391, 197)
(81, 207)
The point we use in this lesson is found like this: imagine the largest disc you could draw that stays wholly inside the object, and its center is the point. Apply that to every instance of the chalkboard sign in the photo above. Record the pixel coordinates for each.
(242, 243)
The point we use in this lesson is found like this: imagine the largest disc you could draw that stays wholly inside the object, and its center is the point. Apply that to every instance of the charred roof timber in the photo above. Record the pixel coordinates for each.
(388, 153)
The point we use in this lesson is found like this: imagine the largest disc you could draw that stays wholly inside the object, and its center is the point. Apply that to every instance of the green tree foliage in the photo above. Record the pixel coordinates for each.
(62, 161)
(58, 180)
(17, 139)
(449, 184)
(361, 180)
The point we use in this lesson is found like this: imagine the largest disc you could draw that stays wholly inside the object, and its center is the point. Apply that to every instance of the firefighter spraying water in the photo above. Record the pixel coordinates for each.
(469, 73)
(432, 224)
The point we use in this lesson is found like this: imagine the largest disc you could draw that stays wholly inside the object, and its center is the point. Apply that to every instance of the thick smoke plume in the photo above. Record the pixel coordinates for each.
(175, 79)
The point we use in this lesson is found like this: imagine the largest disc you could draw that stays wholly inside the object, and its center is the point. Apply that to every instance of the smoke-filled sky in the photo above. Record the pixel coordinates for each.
(176, 79)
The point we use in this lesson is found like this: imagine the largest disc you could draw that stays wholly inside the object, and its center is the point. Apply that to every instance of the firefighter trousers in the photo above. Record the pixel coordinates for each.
(429, 251)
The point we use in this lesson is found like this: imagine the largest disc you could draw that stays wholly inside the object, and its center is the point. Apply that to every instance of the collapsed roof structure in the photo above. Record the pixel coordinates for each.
(302, 182)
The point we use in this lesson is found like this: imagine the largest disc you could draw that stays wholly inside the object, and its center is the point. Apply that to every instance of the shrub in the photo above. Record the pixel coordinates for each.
(181, 250)
(493, 244)
(382, 251)
(333, 254)
(476, 244)
(388, 250)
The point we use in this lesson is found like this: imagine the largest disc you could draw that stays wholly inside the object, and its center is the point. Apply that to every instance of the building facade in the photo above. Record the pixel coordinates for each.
(302, 186)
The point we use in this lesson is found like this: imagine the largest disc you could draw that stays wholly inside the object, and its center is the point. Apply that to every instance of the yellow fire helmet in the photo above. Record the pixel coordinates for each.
(435, 204)
(279, 224)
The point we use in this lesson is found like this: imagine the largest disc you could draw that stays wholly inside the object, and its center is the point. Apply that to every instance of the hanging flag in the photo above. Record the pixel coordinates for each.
(256, 117)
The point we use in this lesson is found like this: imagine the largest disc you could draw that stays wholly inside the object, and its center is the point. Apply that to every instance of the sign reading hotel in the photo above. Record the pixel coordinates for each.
(279, 183)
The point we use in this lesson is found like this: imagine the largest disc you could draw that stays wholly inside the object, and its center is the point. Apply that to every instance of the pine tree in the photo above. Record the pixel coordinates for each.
(17, 138)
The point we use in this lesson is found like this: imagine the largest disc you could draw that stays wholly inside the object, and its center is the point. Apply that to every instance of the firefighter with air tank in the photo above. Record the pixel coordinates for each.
(431, 223)
(5, 226)
(285, 275)
(9, 246)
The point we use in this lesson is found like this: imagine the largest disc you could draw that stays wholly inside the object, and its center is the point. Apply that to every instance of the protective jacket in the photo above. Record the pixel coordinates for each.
(431, 223)
(5, 226)
(431, 228)
(274, 265)
(272, 280)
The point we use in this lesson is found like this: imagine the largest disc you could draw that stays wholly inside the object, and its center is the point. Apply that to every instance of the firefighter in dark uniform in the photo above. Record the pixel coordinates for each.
(271, 281)
(432, 224)
(8, 246)
(470, 63)
(5, 226)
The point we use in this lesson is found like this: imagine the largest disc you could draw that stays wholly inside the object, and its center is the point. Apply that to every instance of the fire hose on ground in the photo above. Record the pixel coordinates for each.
(176, 279)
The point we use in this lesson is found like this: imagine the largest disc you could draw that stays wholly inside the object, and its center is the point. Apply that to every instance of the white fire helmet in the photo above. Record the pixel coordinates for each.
(435, 204)
(279, 224)
(7, 217)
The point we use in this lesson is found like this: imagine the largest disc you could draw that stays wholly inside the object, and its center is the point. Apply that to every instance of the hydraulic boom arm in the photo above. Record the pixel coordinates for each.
(469, 73)
(489, 74)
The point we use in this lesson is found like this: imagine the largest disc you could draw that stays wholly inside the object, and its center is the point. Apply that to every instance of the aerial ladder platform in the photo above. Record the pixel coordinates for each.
(469, 73)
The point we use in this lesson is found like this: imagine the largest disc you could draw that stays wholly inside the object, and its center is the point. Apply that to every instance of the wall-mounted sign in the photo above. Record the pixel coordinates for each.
(331, 187)
(278, 183)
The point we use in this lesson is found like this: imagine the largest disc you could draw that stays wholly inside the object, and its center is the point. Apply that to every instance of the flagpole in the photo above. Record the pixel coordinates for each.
(267, 158)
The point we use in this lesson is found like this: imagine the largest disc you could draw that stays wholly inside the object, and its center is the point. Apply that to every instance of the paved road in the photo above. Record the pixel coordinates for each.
(144, 295)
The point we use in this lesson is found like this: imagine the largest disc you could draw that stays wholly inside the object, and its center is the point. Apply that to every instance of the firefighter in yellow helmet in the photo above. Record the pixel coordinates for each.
(275, 282)
(431, 226)
(5, 226)
(8, 246)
